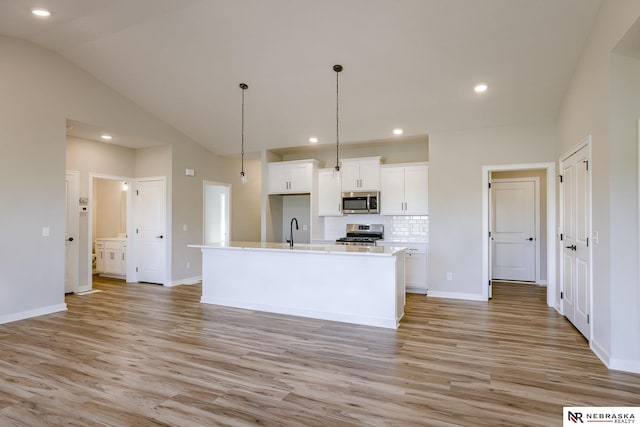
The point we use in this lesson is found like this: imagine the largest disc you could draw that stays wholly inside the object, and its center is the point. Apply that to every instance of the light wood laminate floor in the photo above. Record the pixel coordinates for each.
(145, 355)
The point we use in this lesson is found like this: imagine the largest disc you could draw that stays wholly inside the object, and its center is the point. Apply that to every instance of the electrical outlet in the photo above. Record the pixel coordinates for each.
(188, 265)
(184, 227)
(449, 275)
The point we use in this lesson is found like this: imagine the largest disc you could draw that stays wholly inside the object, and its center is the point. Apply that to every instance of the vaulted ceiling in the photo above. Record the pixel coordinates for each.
(409, 64)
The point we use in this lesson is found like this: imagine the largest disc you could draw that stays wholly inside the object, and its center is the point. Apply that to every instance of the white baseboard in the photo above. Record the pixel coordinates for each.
(456, 295)
(602, 354)
(616, 364)
(625, 365)
(187, 281)
(541, 283)
(32, 313)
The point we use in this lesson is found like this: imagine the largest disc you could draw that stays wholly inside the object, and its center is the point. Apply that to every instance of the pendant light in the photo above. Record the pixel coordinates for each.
(337, 68)
(243, 177)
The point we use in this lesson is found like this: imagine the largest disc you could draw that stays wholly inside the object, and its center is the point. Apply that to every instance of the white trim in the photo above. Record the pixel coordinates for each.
(625, 365)
(303, 312)
(536, 208)
(76, 231)
(205, 183)
(599, 351)
(585, 143)
(13, 317)
(168, 232)
(130, 227)
(551, 224)
(186, 281)
(457, 295)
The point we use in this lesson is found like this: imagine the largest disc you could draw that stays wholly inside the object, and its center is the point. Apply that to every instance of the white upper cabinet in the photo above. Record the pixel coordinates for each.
(329, 193)
(362, 174)
(290, 177)
(404, 189)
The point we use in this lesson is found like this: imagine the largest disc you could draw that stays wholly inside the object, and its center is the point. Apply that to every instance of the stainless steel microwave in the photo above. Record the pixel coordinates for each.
(360, 202)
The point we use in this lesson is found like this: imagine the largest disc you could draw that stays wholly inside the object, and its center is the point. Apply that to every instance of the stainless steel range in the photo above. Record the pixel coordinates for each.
(362, 234)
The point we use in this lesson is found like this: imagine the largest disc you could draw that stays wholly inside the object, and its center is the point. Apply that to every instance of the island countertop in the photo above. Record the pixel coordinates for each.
(306, 248)
(355, 284)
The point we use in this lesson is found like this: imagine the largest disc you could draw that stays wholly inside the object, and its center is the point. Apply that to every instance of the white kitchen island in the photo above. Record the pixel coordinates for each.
(354, 284)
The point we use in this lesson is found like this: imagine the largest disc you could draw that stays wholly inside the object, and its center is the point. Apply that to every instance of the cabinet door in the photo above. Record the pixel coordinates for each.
(350, 172)
(99, 260)
(277, 178)
(299, 178)
(392, 191)
(123, 263)
(416, 184)
(113, 261)
(329, 193)
(416, 272)
(369, 175)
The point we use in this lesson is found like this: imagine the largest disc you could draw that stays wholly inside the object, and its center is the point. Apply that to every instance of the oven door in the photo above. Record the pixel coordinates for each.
(355, 204)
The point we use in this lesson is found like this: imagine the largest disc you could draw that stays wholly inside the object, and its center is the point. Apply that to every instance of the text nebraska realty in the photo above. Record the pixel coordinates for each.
(616, 418)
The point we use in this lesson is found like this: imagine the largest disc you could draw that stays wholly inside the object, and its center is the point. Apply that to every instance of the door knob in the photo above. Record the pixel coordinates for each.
(70, 239)
(159, 237)
(530, 239)
(572, 247)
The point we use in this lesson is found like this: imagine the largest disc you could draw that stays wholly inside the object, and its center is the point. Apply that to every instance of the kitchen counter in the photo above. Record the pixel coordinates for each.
(355, 284)
(307, 248)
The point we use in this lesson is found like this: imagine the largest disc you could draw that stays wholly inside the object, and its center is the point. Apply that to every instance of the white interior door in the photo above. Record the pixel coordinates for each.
(72, 231)
(217, 212)
(576, 229)
(513, 230)
(151, 233)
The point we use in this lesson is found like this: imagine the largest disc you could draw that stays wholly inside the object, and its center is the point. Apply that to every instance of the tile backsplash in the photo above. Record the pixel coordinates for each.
(395, 227)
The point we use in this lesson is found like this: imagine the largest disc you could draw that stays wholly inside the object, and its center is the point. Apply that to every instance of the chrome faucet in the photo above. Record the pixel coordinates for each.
(291, 231)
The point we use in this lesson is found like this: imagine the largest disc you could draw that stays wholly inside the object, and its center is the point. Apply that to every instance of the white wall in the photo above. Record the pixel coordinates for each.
(593, 95)
(41, 91)
(623, 143)
(92, 157)
(455, 197)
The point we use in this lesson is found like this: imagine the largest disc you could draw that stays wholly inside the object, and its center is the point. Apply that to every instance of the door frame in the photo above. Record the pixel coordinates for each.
(131, 268)
(550, 168)
(206, 183)
(585, 143)
(536, 208)
(130, 226)
(76, 205)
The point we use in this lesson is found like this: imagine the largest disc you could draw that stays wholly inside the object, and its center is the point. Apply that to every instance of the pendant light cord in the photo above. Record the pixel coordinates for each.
(337, 68)
(242, 137)
(244, 87)
(337, 122)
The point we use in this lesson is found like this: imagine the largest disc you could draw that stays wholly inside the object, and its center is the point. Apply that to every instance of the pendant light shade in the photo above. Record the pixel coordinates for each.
(243, 177)
(337, 68)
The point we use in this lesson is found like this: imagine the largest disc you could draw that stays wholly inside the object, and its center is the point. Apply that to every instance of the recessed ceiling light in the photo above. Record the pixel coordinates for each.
(398, 131)
(481, 87)
(41, 12)
(313, 140)
(106, 137)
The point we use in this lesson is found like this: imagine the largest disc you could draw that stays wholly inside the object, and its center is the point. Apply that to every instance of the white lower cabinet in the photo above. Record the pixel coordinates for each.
(415, 265)
(99, 256)
(111, 256)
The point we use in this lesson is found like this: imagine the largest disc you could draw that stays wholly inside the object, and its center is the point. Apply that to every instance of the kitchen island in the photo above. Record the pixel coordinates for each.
(354, 284)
